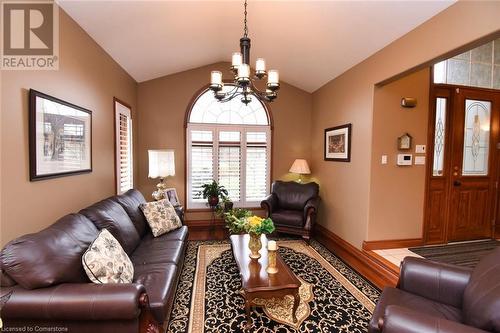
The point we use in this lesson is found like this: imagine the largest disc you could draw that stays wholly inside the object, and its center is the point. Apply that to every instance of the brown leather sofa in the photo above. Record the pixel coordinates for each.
(293, 207)
(49, 286)
(439, 298)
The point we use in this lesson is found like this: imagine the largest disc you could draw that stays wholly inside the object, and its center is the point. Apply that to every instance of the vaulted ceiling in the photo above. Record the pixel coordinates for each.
(310, 42)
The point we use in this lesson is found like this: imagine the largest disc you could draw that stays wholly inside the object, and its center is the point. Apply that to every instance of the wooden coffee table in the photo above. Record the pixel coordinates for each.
(256, 282)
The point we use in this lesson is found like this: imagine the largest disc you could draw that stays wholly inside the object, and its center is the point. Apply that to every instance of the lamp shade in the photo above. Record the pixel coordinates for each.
(161, 163)
(300, 166)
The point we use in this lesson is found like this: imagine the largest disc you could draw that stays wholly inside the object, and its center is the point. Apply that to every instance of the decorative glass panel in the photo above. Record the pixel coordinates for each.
(208, 110)
(476, 138)
(439, 137)
(475, 68)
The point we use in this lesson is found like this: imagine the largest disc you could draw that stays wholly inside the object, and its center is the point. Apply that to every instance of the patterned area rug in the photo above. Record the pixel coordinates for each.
(334, 298)
(466, 254)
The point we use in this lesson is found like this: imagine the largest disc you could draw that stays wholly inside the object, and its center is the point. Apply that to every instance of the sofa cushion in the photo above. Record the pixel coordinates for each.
(51, 256)
(294, 196)
(394, 296)
(159, 281)
(160, 251)
(289, 218)
(108, 214)
(130, 202)
(481, 304)
(161, 216)
(106, 262)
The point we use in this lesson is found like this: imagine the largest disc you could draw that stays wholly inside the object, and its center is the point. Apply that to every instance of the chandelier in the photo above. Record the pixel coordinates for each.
(243, 81)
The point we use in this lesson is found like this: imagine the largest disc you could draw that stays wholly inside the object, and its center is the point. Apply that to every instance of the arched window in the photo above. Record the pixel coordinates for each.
(231, 143)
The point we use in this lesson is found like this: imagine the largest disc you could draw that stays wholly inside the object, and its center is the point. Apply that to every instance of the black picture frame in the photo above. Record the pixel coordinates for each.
(337, 138)
(75, 126)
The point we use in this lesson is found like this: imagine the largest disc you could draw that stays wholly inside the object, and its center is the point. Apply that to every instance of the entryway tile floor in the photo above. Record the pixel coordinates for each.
(396, 256)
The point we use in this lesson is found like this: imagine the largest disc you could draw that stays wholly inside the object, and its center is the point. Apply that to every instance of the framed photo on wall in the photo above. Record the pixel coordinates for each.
(60, 137)
(338, 143)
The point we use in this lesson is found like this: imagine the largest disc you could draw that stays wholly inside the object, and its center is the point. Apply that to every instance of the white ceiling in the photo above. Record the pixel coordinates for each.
(310, 42)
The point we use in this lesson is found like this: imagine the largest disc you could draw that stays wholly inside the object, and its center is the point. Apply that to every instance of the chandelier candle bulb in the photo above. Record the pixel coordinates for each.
(216, 78)
(273, 77)
(260, 65)
(237, 59)
(244, 71)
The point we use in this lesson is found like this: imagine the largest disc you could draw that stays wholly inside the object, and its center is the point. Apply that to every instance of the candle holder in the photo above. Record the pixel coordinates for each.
(271, 262)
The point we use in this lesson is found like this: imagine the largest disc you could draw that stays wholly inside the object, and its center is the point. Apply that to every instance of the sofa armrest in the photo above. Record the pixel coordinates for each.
(76, 301)
(402, 320)
(436, 281)
(270, 204)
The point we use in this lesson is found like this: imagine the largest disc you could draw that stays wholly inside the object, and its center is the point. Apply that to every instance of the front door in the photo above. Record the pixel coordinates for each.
(463, 179)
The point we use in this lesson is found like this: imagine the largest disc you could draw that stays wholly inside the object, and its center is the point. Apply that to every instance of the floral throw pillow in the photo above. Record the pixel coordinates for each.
(106, 262)
(161, 216)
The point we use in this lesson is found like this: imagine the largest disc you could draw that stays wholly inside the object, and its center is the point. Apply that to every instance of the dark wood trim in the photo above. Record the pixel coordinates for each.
(392, 244)
(383, 262)
(373, 270)
(33, 94)
(349, 135)
(187, 114)
(115, 100)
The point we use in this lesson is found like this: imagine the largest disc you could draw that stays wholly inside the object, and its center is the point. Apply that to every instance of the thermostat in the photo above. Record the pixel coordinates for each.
(405, 159)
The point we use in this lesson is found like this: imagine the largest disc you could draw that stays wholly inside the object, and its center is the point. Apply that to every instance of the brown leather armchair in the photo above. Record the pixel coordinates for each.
(293, 207)
(437, 298)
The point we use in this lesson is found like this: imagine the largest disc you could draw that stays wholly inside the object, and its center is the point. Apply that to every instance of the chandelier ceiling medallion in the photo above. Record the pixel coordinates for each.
(243, 82)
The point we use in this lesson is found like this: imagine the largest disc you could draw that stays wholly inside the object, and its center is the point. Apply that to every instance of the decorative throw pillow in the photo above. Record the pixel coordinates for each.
(161, 216)
(105, 261)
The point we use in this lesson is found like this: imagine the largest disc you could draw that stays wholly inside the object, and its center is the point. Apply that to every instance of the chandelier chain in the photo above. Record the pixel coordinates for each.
(245, 21)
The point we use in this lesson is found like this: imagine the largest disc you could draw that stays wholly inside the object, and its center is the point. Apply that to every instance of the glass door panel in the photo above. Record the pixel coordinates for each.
(439, 137)
(476, 138)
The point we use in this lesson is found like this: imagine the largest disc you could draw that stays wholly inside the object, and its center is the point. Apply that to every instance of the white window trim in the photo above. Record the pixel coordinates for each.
(216, 128)
(125, 110)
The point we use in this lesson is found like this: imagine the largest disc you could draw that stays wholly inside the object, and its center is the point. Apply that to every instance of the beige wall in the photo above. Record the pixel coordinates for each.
(163, 103)
(345, 187)
(397, 193)
(87, 77)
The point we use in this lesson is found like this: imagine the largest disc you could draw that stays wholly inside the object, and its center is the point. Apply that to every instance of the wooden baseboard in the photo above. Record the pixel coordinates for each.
(372, 269)
(392, 244)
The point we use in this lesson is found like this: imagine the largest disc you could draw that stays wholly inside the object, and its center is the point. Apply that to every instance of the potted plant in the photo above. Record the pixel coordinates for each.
(213, 191)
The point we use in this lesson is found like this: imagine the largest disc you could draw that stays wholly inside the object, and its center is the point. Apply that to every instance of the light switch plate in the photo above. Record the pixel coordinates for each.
(384, 159)
(419, 160)
(420, 149)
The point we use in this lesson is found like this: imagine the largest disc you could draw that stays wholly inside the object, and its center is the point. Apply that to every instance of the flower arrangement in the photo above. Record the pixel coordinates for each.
(242, 221)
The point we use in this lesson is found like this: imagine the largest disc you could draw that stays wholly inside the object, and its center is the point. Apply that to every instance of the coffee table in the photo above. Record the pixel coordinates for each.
(256, 282)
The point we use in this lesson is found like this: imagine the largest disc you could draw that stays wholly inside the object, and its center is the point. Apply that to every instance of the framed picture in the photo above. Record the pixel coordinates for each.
(338, 143)
(60, 137)
(171, 195)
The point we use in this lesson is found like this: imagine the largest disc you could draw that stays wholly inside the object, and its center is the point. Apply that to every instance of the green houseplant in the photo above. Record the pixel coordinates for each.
(212, 192)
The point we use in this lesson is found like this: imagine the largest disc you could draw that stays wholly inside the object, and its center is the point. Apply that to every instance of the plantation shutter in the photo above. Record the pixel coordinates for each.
(257, 166)
(123, 153)
(201, 162)
(229, 168)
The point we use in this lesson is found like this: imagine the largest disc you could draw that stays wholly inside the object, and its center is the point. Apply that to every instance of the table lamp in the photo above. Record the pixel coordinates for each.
(161, 165)
(301, 167)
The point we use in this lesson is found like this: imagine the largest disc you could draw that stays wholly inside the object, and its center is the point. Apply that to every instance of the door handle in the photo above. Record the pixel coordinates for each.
(457, 183)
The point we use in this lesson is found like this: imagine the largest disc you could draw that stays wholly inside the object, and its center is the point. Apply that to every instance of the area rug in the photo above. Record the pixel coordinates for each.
(466, 254)
(333, 297)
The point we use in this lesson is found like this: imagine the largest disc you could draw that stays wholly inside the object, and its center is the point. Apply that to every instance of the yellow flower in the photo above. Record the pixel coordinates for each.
(254, 221)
